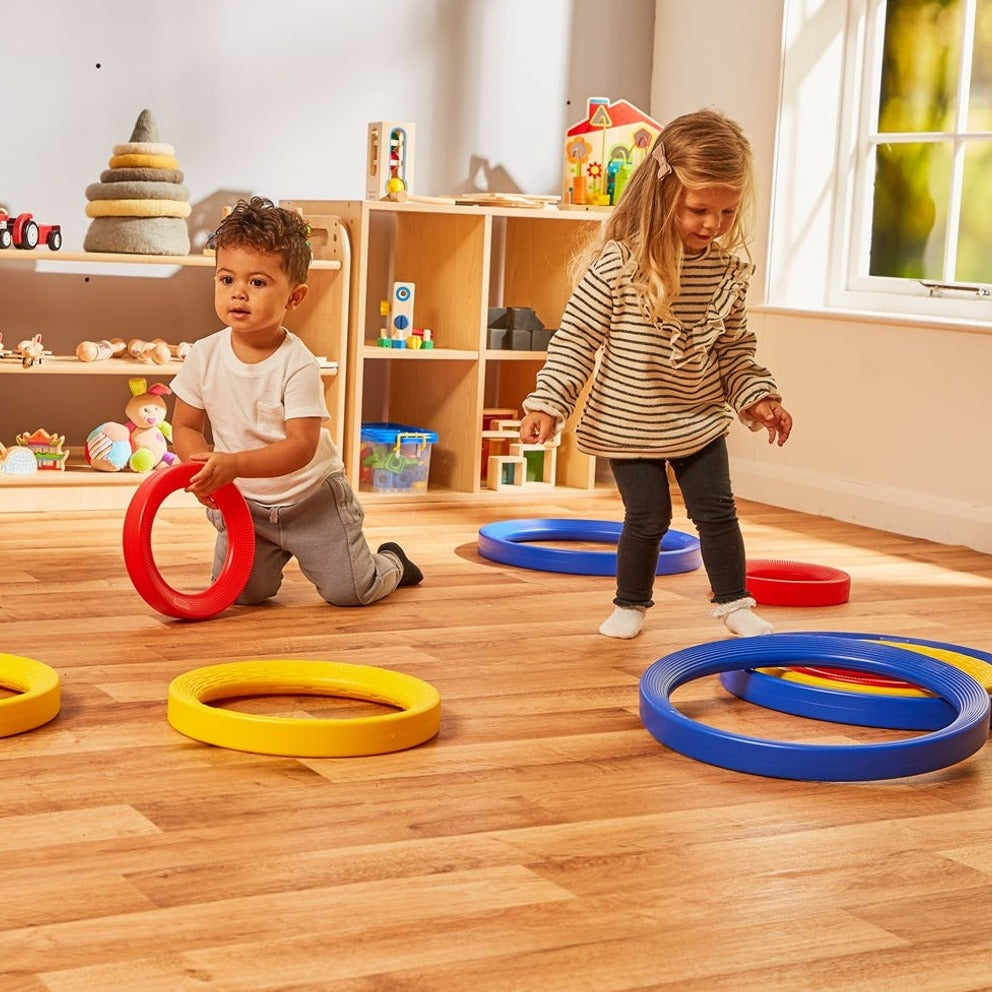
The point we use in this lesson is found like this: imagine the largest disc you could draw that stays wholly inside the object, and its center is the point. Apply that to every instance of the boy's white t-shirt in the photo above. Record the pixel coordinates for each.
(248, 406)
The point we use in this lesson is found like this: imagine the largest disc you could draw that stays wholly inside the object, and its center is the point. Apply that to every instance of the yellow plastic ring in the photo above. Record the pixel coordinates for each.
(417, 720)
(980, 671)
(39, 694)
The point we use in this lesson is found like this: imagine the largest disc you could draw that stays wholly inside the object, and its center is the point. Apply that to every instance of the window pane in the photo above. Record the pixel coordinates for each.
(974, 262)
(920, 61)
(980, 104)
(909, 215)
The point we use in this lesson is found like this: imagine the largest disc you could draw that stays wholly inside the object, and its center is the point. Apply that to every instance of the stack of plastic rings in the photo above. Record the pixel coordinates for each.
(851, 696)
(959, 723)
(511, 542)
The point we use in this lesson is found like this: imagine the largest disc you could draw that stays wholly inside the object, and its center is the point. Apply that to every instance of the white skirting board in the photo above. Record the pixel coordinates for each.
(912, 514)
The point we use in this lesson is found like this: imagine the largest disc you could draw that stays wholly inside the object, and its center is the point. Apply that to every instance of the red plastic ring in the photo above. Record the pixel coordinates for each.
(796, 583)
(853, 677)
(140, 561)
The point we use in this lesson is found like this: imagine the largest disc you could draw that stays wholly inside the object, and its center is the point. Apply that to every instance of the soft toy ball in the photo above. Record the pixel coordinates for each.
(108, 447)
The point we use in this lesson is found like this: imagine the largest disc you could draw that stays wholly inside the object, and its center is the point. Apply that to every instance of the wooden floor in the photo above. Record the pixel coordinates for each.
(543, 841)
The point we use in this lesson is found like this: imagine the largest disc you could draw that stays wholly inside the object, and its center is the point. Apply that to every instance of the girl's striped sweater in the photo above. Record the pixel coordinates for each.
(661, 388)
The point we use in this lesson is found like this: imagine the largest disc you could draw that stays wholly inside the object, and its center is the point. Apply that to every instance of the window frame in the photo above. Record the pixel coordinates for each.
(849, 286)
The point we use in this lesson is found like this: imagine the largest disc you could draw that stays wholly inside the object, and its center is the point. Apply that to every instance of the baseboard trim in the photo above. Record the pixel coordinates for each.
(897, 511)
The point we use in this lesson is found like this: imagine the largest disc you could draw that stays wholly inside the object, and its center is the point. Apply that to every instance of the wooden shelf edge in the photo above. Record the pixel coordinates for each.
(418, 354)
(123, 258)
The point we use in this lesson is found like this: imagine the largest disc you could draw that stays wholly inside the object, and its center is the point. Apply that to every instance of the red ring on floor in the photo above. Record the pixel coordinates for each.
(853, 677)
(796, 583)
(140, 561)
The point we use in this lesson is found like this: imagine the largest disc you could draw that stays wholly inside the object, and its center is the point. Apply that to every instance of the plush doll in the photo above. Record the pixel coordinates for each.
(141, 444)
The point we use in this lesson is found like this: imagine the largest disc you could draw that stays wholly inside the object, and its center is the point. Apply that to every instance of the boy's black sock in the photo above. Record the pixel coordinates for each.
(411, 574)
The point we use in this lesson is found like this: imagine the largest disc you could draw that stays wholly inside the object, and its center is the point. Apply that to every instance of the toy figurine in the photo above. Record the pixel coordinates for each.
(141, 444)
(32, 351)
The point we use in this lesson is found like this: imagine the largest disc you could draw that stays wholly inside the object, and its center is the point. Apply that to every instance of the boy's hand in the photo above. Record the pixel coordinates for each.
(773, 417)
(218, 469)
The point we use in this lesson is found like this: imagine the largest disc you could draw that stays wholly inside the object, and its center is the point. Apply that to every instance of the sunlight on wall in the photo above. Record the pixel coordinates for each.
(810, 122)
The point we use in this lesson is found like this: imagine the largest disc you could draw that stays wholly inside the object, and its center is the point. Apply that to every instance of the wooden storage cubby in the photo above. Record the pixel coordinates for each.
(121, 297)
(462, 260)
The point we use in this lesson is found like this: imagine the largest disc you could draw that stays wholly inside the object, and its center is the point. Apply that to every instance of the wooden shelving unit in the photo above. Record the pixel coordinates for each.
(462, 260)
(322, 322)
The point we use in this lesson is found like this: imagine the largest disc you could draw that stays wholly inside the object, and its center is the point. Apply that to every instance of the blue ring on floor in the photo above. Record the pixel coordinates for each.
(891, 712)
(962, 737)
(837, 706)
(507, 542)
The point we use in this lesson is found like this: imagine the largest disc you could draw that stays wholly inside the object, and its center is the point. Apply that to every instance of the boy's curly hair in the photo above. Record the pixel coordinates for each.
(262, 226)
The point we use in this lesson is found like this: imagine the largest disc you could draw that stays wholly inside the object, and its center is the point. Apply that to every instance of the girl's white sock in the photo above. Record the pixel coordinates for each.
(741, 620)
(624, 622)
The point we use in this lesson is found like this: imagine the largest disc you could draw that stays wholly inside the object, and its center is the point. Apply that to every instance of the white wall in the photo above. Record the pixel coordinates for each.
(271, 98)
(892, 415)
(274, 98)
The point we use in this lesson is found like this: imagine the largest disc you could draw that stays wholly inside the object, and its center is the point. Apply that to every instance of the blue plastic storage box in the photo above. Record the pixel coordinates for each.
(396, 458)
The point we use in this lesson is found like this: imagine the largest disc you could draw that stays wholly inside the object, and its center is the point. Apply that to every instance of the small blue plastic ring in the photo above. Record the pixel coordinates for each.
(507, 543)
(963, 736)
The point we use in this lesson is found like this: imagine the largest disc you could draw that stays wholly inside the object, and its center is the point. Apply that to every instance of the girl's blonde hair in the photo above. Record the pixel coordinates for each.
(704, 149)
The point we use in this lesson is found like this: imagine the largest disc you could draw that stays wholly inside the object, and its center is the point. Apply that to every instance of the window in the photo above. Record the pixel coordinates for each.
(918, 224)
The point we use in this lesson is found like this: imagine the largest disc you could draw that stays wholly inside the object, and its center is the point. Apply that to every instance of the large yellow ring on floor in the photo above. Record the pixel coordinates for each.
(39, 694)
(417, 719)
(980, 671)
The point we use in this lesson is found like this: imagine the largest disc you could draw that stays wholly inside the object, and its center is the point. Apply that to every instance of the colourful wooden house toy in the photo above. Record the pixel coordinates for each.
(47, 449)
(602, 151)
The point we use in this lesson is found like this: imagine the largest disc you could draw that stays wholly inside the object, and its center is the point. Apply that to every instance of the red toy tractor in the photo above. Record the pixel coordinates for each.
(23, 231)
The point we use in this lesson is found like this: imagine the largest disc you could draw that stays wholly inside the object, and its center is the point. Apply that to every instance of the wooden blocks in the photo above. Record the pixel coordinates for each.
(516, 465)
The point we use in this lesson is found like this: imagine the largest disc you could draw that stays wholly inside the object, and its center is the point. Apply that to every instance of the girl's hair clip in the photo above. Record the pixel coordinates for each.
(658, 154)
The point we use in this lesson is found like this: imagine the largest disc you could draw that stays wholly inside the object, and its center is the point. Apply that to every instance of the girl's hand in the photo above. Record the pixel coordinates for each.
(774, 418)
(536, 428)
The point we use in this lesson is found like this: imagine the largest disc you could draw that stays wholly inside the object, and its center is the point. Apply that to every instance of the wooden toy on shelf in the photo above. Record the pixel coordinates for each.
(520, 466)
(400, 332)
(32, 351)
(98, 351)
(46, 449)
(390, 159)
(602, 151)
(516, 329)
(23, 231)
(156, 352)
(17, 460)
(150, 352)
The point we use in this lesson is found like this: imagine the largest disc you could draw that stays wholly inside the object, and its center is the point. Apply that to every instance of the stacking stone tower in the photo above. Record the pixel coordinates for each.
(140, 204)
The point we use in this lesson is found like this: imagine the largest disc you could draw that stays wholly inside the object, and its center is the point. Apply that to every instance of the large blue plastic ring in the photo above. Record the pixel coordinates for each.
(507, 542)
(962, 737)
(893, 712)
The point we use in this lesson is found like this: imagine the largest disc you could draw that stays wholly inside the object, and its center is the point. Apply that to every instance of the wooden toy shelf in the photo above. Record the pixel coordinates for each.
(40, 290)
(462, 260)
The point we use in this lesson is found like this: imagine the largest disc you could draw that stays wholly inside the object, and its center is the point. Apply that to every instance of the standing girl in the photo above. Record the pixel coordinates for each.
(663, 306)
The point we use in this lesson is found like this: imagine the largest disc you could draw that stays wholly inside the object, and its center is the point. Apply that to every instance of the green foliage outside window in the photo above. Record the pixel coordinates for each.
(922, 69)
